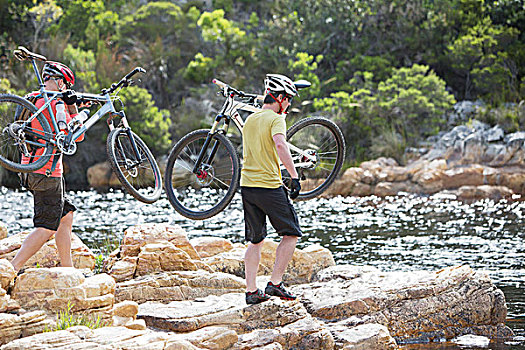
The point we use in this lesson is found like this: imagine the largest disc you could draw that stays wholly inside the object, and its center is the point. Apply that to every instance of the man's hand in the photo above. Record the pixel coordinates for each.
(295, 188)
(69, 97)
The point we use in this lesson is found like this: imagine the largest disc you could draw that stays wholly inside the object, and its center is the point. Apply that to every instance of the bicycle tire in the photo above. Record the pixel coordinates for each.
(323, 138)
(10, 148)
(143, 180)
(195, 197)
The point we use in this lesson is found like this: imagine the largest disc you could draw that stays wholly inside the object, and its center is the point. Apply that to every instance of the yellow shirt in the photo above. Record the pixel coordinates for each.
(260, 160)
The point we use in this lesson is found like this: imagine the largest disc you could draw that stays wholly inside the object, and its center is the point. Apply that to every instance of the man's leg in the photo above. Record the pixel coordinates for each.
(63, 240)
(31, 245)
(283, 255)
(252, 257)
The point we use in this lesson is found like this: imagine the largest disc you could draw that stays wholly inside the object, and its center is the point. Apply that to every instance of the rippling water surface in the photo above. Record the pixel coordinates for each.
(397, 233)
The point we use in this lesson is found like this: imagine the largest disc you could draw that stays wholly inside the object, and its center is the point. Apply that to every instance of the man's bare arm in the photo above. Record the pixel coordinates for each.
(284, 154)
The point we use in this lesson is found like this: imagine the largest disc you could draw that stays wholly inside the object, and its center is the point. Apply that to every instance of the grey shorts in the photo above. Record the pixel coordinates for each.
(259, 203)
(50, 202)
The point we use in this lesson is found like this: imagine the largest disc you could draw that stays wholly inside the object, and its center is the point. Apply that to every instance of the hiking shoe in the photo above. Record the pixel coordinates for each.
(279, 291)
(256, 297)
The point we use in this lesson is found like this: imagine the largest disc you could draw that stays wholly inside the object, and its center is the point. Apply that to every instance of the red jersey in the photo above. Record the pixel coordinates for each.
(36, 125)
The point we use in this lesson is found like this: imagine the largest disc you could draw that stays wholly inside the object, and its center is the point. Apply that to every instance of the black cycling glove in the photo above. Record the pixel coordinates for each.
(295, 188)
(69, 97)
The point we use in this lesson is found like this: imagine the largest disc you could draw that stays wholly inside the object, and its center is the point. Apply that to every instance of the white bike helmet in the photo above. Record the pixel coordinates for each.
(279, 83)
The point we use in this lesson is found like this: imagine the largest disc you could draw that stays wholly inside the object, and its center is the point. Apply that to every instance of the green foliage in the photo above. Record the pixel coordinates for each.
(83, 64)
(304, 67)
(479, 57)
(150, 123)
(200, 69)
(67, 318)
(413, 100)
(400, 110)
(76, 18)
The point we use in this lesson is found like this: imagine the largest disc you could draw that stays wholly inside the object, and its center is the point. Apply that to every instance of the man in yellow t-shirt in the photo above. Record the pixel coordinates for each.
(263, 194)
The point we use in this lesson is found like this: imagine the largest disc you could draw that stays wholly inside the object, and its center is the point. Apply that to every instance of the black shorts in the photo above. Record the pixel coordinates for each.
(50, 203)
(258, 203)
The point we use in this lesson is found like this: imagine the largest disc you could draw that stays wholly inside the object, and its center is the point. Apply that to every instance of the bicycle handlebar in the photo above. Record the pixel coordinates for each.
(228, 89)
(124, 81)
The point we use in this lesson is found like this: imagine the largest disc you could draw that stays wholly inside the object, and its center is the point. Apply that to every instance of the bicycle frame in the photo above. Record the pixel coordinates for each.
(107, 108)
(229, 112)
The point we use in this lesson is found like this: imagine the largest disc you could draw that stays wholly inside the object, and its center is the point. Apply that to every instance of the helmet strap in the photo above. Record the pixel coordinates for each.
(279, 102)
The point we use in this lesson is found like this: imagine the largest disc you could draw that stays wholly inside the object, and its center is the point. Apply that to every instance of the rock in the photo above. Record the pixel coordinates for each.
(361, 189)
(15, 326)
(169, 286)
(430, 181)
(371, 336)
(306, 333)
(228, 310)
(393, 174)
(384, 189)
(7, 273)
(211, 338)
(151, 248)
(209, 246)
(513, 180)
(3, 230)
(275, 321)
(495, 133)
(471, 340)
(376, 165)
(301, 269)
(163, 256)
(123, 270)
(52, 289)
(136, 324)
(101, 176)
(415, 306)
(137, 236)
(126, 308)
(47, 256)
(495, 193)
(344, 272)
(119, 321)
(467, 176)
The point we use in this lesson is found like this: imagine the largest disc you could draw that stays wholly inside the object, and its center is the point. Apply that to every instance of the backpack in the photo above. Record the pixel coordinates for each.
(21, 113)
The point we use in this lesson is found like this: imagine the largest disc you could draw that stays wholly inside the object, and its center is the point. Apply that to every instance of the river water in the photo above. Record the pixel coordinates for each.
(401, 233)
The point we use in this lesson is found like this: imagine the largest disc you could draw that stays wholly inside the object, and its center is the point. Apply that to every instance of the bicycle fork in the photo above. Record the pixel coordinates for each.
(201, 173)
(137, 161)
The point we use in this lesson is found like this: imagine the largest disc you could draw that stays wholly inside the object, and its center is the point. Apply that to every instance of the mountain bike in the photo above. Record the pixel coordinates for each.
(203, 168)
(130, 158)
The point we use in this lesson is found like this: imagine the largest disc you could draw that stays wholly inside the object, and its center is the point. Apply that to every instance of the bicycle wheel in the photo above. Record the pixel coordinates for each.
(17, 140)
(138, 173)
(322, 140)
(203, 194)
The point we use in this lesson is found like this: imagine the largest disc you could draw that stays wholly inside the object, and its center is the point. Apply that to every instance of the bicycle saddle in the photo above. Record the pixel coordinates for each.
(23, 54)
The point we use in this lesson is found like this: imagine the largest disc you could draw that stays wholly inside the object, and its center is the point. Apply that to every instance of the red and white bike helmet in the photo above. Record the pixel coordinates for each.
(279, 83)
(57, 69)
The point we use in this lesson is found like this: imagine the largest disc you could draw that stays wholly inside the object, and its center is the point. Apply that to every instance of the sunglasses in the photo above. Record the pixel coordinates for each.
(289, 98)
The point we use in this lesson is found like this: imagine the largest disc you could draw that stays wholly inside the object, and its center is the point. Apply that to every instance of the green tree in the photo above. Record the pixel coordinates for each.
(150, 123)
(479, 57)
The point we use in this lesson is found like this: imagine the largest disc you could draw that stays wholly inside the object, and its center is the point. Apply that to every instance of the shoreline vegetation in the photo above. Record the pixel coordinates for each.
(372, 68)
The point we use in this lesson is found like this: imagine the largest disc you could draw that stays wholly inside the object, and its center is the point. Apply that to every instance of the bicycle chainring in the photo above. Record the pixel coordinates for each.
(69, 149)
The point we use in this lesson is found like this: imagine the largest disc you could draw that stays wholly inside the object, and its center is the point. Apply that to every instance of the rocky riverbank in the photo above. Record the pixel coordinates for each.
(163, 291)
(470, 162)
